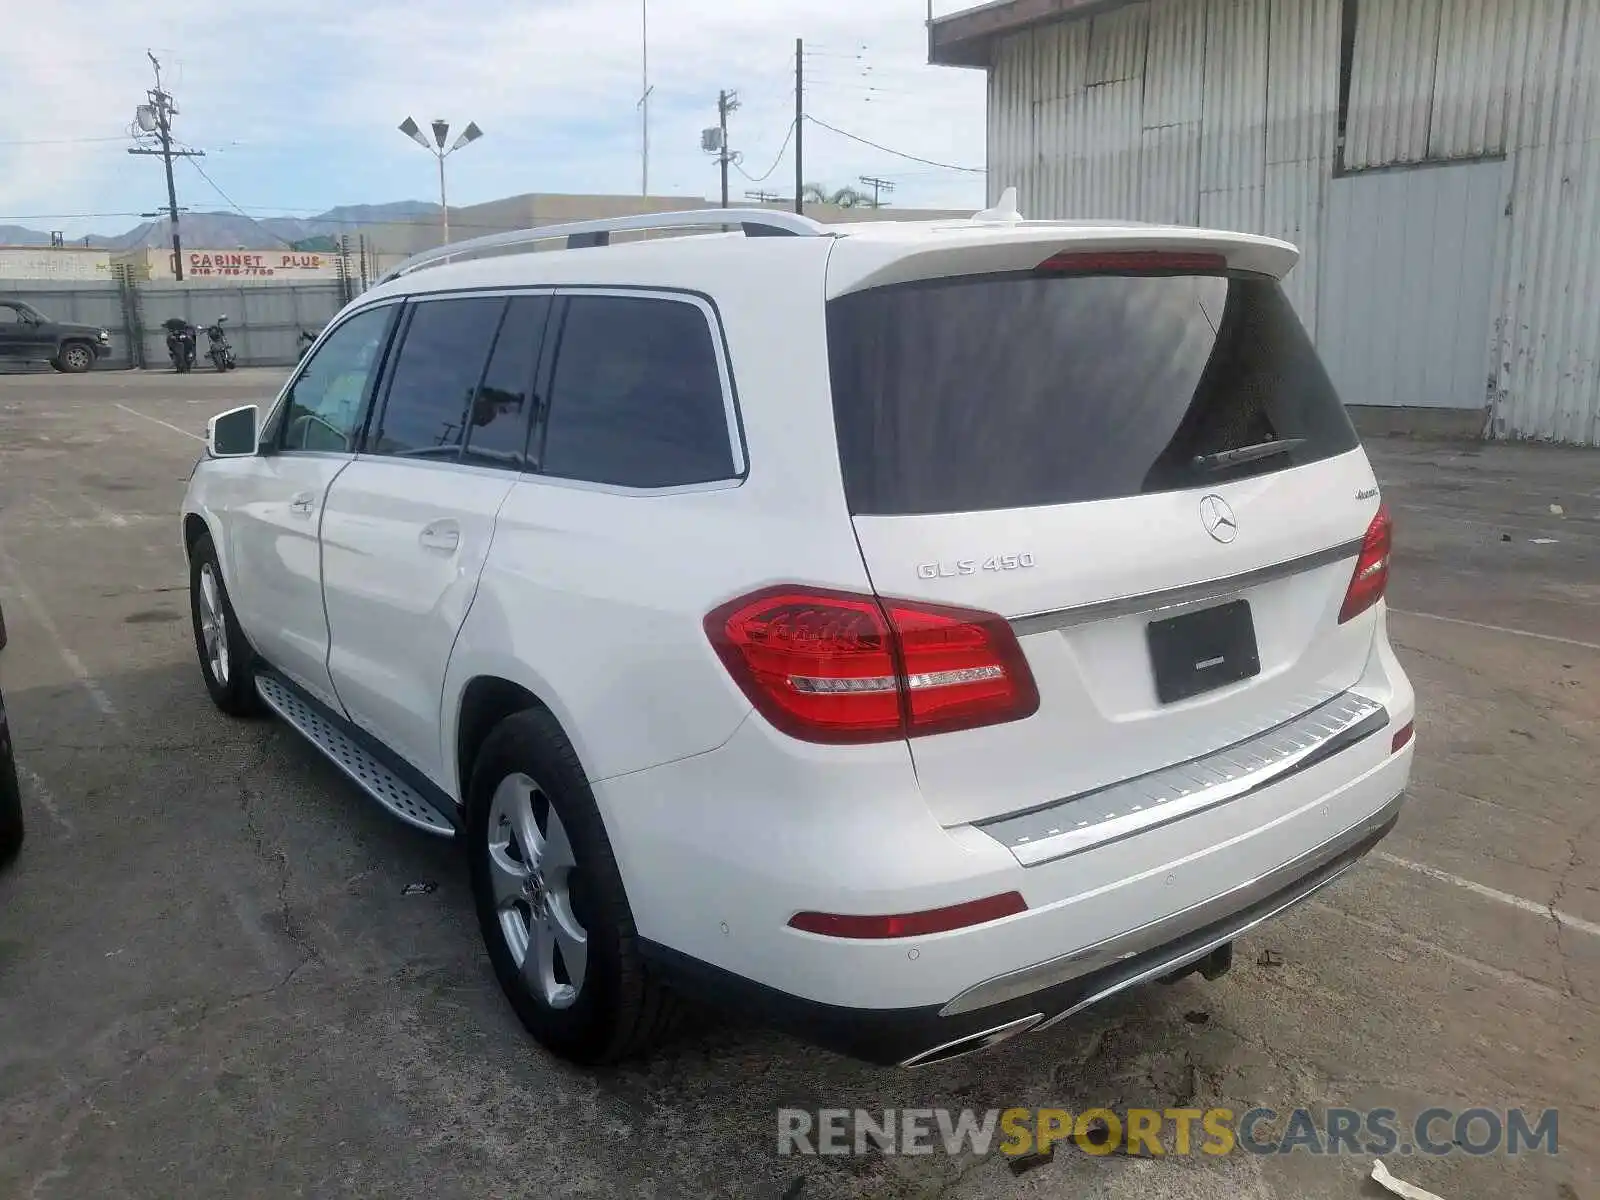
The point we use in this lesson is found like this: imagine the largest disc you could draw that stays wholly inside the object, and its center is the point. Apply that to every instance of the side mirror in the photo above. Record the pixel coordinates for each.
(235, 433)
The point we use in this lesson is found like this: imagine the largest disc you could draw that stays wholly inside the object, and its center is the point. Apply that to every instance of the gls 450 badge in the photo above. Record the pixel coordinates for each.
(971, 566)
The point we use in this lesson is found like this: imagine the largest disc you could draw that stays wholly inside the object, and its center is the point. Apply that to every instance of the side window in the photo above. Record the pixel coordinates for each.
(325, 403)
(435, 377)
(497, 434)
(636, 398)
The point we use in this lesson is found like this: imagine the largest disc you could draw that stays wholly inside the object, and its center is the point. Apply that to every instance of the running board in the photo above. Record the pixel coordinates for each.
(364, 769)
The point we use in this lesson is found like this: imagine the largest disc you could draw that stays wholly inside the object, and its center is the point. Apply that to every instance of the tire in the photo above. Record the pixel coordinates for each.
(609, 1008)
(227, 662)
(11, 831)
(75, 358)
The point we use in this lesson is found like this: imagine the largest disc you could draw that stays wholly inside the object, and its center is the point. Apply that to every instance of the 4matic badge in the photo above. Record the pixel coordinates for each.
(956, 567)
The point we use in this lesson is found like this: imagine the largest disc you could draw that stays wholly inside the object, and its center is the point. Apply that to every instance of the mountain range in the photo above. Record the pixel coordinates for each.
(225, 230)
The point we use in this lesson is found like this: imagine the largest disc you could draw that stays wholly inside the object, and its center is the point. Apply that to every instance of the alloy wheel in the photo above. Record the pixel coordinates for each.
(213, 625)
(531, 869)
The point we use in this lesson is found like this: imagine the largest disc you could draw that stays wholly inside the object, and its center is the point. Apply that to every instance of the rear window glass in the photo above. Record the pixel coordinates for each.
(1020, 390)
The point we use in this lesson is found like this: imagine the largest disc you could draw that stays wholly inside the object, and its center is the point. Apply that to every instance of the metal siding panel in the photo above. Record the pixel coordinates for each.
(1303, 80)
(1174, 63)
(1169, 174)
(1391, 82)
(1547, 318)
(1117, 45)
(1408, 283)
(1233, 134)
(1474, 63)
(1302, 128)
(1293, 212)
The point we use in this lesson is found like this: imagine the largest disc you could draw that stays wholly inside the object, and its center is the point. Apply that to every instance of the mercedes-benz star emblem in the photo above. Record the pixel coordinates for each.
(1217, 517)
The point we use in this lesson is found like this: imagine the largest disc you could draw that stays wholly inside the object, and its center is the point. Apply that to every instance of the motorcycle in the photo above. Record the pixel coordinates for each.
(220, 352)
(181, 341)
(304, 342)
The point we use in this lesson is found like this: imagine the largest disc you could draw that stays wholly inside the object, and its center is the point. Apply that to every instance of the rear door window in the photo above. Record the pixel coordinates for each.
(637, 398)
(437, 369)
(497, 430)
(992, 392)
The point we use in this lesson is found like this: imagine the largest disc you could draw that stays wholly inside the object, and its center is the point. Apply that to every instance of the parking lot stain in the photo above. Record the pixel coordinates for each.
(152, 616)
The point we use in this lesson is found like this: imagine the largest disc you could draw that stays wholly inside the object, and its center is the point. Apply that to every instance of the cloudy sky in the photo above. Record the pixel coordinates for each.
(296, 101)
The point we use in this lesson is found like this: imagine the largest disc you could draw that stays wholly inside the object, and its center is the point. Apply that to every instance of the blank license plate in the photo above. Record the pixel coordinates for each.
(1203, 650)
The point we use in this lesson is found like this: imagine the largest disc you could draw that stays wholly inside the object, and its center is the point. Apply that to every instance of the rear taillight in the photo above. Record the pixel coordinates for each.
(1372, 568)
(828, 666)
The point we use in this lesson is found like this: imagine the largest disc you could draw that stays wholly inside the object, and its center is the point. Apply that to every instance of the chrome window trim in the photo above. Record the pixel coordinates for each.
(1189, 593)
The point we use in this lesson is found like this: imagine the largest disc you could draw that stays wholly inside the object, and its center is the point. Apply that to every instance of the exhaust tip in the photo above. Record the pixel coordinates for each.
(973, 1042)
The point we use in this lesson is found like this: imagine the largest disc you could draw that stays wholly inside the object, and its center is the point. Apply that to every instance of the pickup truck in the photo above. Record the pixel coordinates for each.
(27, 335)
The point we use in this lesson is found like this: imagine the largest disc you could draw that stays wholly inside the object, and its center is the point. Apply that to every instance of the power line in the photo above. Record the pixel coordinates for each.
(81, 141)
(891, 150)
(762, 178)
(227, 199)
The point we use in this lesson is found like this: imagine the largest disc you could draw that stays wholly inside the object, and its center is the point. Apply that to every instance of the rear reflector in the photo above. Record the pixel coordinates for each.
(1402, 736)
(1371, 575)
(1079, 261)
(827, 666)
(917, 924)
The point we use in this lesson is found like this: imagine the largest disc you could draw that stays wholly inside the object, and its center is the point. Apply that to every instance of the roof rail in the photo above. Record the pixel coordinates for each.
(755, 222)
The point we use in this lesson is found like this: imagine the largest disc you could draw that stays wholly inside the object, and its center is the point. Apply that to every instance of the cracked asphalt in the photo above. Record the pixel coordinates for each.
(213, 982)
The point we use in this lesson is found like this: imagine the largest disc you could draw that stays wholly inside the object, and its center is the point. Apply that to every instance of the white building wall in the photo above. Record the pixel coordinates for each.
(54, 262)
(1225, 112)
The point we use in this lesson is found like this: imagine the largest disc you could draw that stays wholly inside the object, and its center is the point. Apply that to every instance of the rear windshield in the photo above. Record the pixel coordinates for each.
(1018, 390)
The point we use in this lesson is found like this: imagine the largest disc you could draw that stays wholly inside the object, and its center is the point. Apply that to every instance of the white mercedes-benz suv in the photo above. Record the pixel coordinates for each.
(911, 632)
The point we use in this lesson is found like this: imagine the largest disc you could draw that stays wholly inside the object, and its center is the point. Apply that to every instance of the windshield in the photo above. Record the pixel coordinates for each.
(1010, 391)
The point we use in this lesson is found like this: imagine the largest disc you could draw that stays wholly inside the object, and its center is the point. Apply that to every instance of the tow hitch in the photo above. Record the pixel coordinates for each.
(1212, 966)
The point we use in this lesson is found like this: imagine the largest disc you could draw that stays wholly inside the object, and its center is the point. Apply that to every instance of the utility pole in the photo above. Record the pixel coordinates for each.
(156, 117)
(877, 185)
(727, 102)
(644, 98)
(799, 125)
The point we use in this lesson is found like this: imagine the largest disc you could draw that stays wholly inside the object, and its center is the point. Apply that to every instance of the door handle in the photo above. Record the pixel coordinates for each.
(441, 535)
(303, 502)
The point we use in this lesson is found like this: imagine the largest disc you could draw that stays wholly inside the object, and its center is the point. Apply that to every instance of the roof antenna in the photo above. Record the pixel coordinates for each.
(1004, 211)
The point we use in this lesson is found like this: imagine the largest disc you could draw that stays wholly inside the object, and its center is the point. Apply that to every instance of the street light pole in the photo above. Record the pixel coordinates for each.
(441, 131)
(444, 204)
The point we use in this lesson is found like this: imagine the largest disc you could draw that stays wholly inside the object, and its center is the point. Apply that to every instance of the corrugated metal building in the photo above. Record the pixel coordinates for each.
(1435, 160)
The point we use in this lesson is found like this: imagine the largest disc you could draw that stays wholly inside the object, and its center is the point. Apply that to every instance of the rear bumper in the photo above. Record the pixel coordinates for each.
(1045, 993)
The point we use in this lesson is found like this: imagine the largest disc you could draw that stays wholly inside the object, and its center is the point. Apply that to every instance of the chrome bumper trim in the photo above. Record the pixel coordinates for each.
(1296, 879)
(1189, 593)
(1091, 819)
